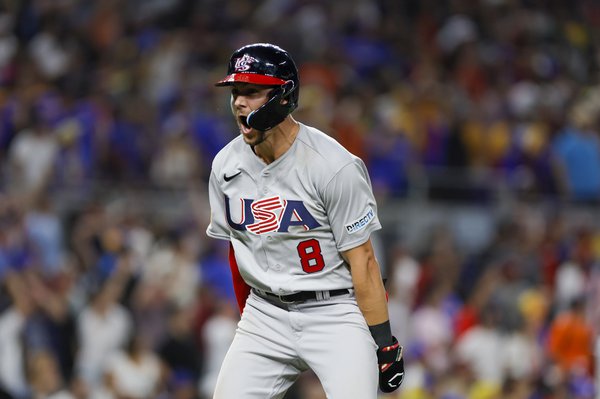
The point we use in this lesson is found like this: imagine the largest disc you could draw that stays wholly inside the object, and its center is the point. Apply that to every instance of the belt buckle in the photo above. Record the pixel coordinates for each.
(280, 297)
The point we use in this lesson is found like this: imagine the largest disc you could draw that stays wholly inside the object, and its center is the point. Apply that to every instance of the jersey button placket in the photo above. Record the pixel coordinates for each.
(268, 241)
(264, 180)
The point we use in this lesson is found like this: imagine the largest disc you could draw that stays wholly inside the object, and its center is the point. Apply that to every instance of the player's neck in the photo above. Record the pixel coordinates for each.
(278, 141)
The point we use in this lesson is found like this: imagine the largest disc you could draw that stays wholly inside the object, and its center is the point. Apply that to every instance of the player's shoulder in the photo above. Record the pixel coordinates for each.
(323, 148)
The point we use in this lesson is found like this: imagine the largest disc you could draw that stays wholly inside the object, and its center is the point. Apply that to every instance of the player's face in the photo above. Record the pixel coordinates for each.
(245, 98)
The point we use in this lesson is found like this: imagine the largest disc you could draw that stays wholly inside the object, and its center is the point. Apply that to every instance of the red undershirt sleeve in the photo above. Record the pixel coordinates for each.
(241, 289)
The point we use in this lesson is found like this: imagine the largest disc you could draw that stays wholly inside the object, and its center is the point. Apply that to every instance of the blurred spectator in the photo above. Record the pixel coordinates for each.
(572, 275)
(114, 254)
(402, 287)
(73, 164)
(8, 47)
(390, 153)
(431, 329)
(45, 378)
(13, 322)
(45, 231)
(578, 149)
(134, 371)
(481, 349)
(123, 154)
(176, 164)
(593, 296)
(536, 174)
(33, 154)
(172, 269)
(523, 350)
(52, 328)
(571, 339)
(103, 326)
(570, 283)
(216, 272)
(179, 349)
(50, 48)
(165, 66)
(468, 316)
(217, 335)
(86, 232)
(15, 247)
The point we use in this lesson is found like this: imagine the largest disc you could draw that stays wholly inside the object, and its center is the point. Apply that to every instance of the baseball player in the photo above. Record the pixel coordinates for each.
(298, 211)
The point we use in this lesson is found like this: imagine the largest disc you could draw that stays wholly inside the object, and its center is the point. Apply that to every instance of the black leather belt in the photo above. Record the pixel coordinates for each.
(304, 296)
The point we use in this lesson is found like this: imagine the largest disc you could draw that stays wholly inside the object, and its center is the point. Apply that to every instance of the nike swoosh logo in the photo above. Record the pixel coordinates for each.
(228, 178)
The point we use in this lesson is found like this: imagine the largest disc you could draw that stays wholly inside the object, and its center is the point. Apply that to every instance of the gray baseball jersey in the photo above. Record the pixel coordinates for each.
(289, 220)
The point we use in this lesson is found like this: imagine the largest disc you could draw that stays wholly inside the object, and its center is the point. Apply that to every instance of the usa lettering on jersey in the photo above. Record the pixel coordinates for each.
(270, 215)
(265, 213)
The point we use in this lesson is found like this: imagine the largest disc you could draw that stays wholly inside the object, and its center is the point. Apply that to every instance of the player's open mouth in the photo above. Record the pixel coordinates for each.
(244, 127)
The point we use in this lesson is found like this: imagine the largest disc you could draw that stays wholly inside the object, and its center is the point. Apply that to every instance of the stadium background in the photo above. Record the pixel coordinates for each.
(479, 123)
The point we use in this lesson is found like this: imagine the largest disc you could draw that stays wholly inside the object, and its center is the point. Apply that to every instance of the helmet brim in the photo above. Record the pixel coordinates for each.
(252, 78)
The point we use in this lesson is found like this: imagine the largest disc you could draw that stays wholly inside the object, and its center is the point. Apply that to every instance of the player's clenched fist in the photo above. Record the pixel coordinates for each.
(389, 357)
(391, 366)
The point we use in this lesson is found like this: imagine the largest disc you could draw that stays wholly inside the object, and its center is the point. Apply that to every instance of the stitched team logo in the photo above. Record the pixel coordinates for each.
(271, 214)
(244, 63)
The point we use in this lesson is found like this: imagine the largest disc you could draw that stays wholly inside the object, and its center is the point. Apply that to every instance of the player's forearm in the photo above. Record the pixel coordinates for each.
(370, 295)
(368, 285)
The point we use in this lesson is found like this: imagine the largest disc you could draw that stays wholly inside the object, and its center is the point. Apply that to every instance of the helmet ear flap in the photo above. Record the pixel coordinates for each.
(273, 112)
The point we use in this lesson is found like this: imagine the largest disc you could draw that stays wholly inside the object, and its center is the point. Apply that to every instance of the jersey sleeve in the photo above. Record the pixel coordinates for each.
(217, 227)
(351, 206)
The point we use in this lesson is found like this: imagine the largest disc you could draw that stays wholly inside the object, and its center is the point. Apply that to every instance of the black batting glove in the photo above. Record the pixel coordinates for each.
(389, 357)
(391, 366)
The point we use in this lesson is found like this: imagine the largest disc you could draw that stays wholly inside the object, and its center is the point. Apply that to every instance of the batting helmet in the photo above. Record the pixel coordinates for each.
(269, 65)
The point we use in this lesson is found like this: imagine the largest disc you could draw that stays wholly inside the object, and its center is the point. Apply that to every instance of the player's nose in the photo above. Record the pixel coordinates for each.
(239, 101)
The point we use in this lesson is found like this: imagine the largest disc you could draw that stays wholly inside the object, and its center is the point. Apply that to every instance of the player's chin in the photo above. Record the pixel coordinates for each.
(253, 137)
(244, 131)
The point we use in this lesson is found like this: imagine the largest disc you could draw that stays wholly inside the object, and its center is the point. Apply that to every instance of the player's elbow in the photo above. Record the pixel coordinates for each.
(366, 274)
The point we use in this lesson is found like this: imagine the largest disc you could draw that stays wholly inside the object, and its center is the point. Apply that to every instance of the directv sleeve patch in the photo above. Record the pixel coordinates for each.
(360, 223)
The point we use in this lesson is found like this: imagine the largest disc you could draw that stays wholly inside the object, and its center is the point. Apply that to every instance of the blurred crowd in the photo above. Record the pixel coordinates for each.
(517, 319)
(457, 100)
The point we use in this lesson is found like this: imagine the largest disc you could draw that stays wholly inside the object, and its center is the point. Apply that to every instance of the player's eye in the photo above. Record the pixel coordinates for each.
(244, 92)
